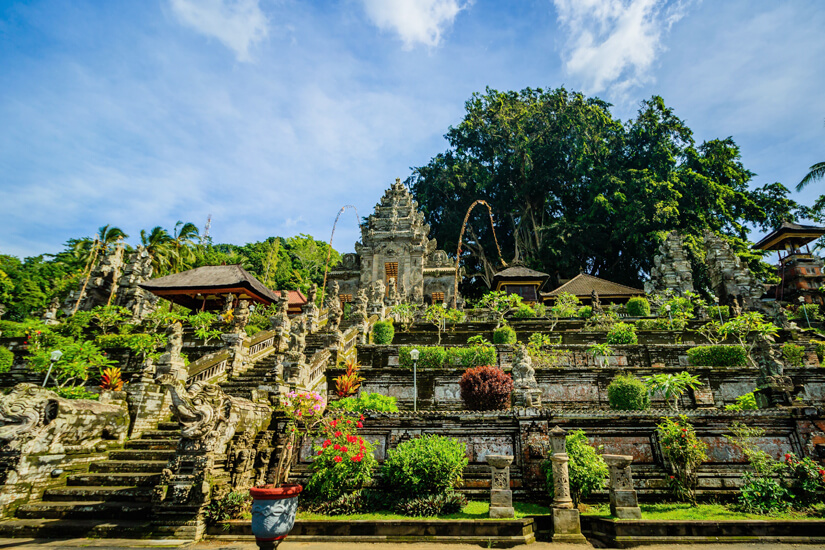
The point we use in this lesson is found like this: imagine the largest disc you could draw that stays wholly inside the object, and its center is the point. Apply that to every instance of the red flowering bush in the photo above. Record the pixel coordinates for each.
(343, 460)
(486, 388)
(806, 480)
(684, 452)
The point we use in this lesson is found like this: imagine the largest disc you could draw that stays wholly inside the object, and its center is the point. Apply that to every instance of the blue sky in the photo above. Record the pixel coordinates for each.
(272, 114)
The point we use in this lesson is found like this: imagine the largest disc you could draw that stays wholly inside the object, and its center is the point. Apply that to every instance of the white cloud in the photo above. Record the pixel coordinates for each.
(613, 43)
(415, 21)
(238, 24)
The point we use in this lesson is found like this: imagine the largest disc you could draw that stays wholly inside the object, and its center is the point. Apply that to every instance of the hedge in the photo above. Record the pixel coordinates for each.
(472, 356)
(6, 359)
(383, 332)
(504, 335)
(718, 356)
(622, 334)
(431, 357)
(628, 393)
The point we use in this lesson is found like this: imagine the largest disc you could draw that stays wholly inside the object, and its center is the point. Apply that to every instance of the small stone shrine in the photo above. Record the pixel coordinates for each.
(623, 501)
(395, 245)
(501, 497)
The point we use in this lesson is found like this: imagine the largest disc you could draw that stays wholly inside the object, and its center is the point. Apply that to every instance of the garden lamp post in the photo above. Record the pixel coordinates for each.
(667, 308)
(444, 317)
(53, 358)
(414, 356)
(718, 308)
(802, 305)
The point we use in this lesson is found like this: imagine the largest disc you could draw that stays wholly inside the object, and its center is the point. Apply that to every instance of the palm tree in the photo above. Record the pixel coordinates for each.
(816, 173)
(184, 238)
(158, 244)
(109, 235)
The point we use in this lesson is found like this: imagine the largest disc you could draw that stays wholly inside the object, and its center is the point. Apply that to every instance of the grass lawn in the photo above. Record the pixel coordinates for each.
(473, 510)
(710, 512)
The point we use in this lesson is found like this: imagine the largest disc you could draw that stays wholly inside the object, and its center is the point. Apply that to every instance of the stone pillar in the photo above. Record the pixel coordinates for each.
(501, 497)
(623, 501)
(566, 521)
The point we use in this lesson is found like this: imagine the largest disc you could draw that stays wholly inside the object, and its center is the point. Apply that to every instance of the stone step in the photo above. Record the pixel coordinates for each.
(113, 479)
(160, 434)
(142, 454)
(172, 426)
(84, 510)
(98, 493)
(152, 444)
(75, 528)
(130, 466)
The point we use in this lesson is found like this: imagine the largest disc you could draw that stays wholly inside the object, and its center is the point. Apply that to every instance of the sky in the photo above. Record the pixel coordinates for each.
(270, 115)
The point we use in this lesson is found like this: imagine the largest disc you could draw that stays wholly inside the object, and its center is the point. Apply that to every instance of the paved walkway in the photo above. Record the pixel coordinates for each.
(122, 544)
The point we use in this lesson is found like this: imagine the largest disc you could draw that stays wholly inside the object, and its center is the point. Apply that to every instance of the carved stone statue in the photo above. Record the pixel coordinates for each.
(773, 387)
(392, 293)
(36, 420)
(50, 315)
(280, 322)
(297, 336)
(526, 392)
(334, 310)
(360, 317)
(595, 303)
(242, 461)
(228, 305)
(311, 310)
(170, 365)
(241, 317)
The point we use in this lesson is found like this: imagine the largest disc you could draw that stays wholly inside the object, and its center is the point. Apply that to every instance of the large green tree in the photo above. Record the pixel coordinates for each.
(572, 188)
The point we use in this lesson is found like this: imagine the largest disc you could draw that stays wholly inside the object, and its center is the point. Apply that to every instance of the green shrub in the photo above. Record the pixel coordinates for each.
(819, 348)
(431, 357)
(504, 335)
(358, 502)
(763, 495)
(343, 461)
(74, 392)
(806, 481)
(794, 355)
(472, 356)
(383, 332)
(252, 330)
(622, 334)
(6, 359)
(365, 402)
(713, 312)
(587, 469)
(811, 309)
(660, 323)
(638, 306)
(628, 393)
(234, 505)
(585, 312)
(426, 465)
(718, 356)
(140, 343)
(745, 402)
(524, 312)
(540, 309)
(486, 388)
(683, 452)
(432, 505)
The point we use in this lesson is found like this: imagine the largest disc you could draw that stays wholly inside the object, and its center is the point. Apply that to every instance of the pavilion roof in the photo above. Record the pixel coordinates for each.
(801, 234)
(582, 285)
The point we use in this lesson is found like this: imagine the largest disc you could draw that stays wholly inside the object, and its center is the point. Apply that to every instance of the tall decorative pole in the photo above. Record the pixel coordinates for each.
(461, 237)
(566, 521)
(329, 250)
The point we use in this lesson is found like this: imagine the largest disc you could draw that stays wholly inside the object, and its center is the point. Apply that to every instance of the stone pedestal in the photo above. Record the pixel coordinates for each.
(623, 501)
(566, 521)
(527, 397)
(501, 497)
(567, 526)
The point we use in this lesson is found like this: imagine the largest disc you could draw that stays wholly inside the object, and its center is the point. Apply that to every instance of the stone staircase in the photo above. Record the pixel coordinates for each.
(242, 384)
(113, 499)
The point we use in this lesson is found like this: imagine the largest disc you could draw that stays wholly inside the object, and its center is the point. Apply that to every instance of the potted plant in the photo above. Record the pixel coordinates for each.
(274, 506)
(600, 352)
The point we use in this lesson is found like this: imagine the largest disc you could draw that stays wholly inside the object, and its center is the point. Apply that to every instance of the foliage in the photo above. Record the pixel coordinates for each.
(203, 323)
(161, 318)
(585, 312)
(600, 352)
(681, 307)
(660, 323)
(602, 321)
(472, 356)
(426, 465)
(638, 306)
(763, 495)
(671, 386)
(404, 313)
(304, 412)
(819, 348)
(383, 333)
(450, 502)
(140, 343)
(111, 379)
(746, 402)
(565, 306)
(73, 367)
(504, 335)
(344, 460)
(74, 392)
(486, 388)
(109, 316)
(683, 452)
(718, 356)
(431, 357)
(812, 311)
(365, 401)
(540, 309)
(439, 315)
(234, 505)
(499, 303)
(587, 469)
(524, 311)
(348, 383)
(76, 325)
(806, 480)
(628, 393)
(537, 348)
(715, 312)
(478, 340)
(6, 359)
(622, 334)
(794, 355)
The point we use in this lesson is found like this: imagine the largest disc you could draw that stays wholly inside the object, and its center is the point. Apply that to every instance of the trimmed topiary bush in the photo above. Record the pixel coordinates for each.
(628, 393)
(426, 465)
(365, 402)
(432, 357)
(718, 356)
(383, 333)
(622, 334)
(504, 335)
(638, 306)
(524, 312)
(472, 356)
(6, 359)
(486, 388)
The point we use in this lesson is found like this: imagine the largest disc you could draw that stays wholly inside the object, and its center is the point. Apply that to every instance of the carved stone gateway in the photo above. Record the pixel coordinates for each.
(671, 271)
(732, 281)
(501, 497)
(623, 501)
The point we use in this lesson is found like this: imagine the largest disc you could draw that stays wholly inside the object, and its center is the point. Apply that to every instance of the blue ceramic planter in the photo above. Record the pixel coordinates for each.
(273, 513)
